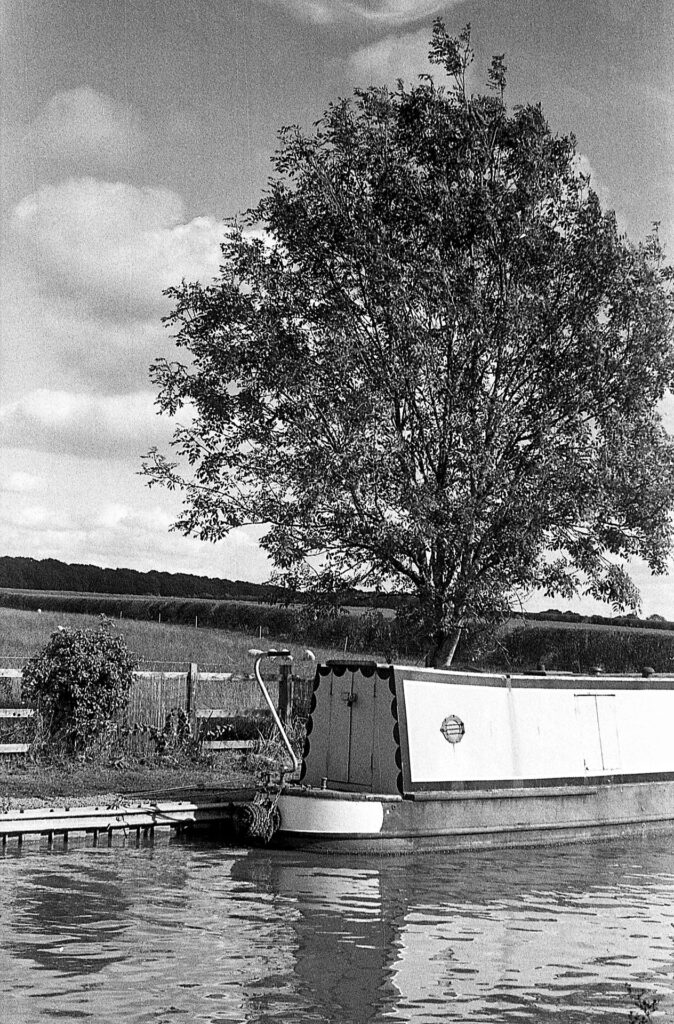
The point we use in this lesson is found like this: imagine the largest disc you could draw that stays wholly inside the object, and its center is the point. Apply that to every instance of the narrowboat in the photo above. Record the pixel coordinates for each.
(401, 758)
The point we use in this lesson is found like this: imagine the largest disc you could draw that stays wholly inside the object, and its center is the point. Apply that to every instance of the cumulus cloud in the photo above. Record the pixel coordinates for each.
(583, 168)
(667, 413)
(91, 426)
(36, 517)
(403, 56)
(385, 12)
(61, 345)
(111, 246)
(19, 482)
(81, 124)
(394, 57)
(122, 534)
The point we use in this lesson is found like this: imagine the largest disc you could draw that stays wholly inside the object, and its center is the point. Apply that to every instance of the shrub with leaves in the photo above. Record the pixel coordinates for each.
(645, 1004)
(78, 683)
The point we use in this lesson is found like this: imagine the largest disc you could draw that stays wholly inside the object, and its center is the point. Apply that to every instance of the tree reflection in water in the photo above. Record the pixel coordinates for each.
(207, 933)
(345, 929)
(508, 934)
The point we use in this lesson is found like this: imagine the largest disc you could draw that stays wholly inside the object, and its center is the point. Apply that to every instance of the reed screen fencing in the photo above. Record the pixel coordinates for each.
(163, 701)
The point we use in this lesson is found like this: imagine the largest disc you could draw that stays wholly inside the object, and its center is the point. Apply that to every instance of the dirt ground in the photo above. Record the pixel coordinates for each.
(59, 785)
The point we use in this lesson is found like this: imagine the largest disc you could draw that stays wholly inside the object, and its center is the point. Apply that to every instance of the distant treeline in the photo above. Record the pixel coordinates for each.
(552, 615)
(51, 574)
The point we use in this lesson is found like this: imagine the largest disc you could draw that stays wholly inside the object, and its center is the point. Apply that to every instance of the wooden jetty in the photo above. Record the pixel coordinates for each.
(218, 811)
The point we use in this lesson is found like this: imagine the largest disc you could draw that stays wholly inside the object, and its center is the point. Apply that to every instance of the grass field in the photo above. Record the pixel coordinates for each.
(23, 633)
(363, 632)
(223, 646)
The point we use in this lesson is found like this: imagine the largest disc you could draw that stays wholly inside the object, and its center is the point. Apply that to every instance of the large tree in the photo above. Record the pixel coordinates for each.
(430, 362)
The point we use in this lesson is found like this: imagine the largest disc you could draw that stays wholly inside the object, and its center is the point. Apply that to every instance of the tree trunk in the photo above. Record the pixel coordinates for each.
(444, 649)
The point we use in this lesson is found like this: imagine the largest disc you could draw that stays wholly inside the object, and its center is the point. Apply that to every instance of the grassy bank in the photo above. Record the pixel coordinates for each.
(36, 785)
(358, 631)
(157, 645)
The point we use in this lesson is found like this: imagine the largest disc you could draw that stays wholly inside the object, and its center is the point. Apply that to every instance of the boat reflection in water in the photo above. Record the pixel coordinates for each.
(206, 933)
(503, 937)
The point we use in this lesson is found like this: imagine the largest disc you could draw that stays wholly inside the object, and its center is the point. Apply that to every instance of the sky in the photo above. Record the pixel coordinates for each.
(130, 129)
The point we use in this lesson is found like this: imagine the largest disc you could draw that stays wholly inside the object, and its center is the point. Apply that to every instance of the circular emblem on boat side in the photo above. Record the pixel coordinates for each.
(453, 729)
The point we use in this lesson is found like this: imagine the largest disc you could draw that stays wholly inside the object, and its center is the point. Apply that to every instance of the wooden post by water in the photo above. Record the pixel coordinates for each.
(286, 686)
(191, 696)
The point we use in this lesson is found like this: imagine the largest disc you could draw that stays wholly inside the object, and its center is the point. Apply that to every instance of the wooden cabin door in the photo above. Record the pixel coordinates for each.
(361, 736)
(352, 706)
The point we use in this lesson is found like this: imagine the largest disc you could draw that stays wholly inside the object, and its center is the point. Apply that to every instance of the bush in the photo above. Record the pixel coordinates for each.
(578, 650)
(78, 683)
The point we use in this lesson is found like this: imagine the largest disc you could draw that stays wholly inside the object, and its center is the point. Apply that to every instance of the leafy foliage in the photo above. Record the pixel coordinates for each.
(645, 1004)
(578, 650)
(78, 682)
(430, 362)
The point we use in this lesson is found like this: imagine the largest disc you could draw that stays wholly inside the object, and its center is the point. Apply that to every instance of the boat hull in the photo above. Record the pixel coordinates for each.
(331, 821)
(401, 758)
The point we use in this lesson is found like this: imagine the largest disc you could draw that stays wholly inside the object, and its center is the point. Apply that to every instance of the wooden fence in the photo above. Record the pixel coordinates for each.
(159, 701)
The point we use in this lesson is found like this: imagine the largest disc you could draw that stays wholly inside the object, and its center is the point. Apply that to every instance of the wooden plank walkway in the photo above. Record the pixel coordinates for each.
(127, 819)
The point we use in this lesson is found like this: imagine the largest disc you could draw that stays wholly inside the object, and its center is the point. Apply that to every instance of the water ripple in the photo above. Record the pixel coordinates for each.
(210, 934)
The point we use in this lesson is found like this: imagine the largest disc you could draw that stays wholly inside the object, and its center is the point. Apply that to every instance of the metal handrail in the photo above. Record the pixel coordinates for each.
(259, 655)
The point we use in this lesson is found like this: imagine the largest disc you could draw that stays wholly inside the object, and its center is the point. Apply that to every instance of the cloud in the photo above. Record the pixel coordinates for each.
(29, 518)
(81, 124)
(403, 56)
(394, 57)
(667, 412)
(89, 426)
(132, 531)
(111, 246)
(53, 343)
(19, 482)
(583, 167)
(384, 12)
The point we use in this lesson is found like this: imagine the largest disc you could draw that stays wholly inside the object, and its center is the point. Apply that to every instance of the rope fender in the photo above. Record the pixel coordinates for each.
(258, 821)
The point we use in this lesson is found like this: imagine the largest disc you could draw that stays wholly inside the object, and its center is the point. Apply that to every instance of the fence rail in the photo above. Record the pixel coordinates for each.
(201, 698)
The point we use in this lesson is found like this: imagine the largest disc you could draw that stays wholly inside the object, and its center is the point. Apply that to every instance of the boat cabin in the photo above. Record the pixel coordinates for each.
(401, 730)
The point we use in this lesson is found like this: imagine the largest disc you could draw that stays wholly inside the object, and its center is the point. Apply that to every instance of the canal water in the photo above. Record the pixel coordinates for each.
(200, 932)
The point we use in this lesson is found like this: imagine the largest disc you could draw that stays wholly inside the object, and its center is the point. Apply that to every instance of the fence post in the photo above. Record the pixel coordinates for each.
(286, 687)
(191, 696)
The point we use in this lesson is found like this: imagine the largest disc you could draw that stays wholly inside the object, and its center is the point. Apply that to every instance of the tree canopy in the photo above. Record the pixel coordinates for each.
(430, 362)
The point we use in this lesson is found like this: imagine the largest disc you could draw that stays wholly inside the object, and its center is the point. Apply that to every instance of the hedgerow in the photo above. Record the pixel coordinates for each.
(573, 648)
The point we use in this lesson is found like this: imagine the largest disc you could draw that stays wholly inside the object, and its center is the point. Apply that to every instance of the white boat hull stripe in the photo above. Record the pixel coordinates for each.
(338, 817)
